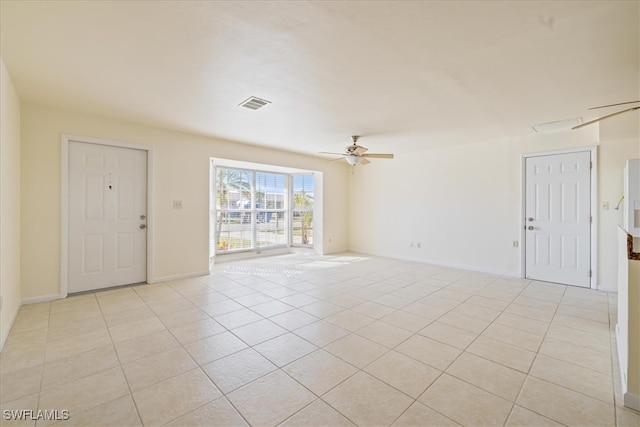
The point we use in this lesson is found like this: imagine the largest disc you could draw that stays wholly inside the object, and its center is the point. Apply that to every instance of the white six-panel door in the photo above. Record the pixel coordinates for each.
(107, 216)
(558, 218)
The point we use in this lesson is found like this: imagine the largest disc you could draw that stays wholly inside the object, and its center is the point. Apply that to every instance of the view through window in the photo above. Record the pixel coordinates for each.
(258, 210)
(302, 219)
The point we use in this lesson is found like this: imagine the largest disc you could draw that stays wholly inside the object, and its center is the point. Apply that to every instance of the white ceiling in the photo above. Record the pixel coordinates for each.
(405, 75)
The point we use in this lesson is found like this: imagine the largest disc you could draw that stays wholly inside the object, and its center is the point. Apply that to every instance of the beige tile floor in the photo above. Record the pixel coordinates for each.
(304, 340)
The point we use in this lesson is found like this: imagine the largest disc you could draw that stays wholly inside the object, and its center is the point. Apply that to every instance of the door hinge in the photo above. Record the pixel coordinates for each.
(591, 219)
(590, 165)
(590, 273)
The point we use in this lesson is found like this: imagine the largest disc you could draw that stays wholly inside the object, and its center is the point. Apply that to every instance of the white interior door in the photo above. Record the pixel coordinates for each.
(107, 216)
(558, 218)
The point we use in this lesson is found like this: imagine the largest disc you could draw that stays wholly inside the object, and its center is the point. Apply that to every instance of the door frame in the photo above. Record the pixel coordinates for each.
(593, 152)
(64, 202)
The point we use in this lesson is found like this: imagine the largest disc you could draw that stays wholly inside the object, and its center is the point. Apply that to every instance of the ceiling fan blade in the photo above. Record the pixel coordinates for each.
(378, 156)
(613, 105)
(606, 117)
(355, 149)
(335, 154)
(359, 150)
(335, 160)
(364, 161)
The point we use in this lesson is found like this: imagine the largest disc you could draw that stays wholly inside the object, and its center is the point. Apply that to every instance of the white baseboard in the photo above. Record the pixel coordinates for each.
(239, 256)
(24, 301)
(178, 277)
(629, 400)
(606, 288)
(623, 368)
(438, 263)
(42, 298)
(7, 329)
(335, 251)
(253, 254)
(632, 401)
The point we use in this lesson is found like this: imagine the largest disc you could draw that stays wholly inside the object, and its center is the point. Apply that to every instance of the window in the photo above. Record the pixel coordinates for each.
(302, 221)
(258, 210)
(271, 213)
(234, 193)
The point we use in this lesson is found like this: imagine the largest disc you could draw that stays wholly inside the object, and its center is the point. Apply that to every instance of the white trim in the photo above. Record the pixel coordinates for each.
(64, 215)
(613, 287)
(621, 365)
(332, 252)
(178, 276)
(318, 214)
(594, 217)
(7, 330)
(632, 401)
(470, 268)
(42, 298)
(629, 400)
(253, 166)
(240, 256)
(317, 246)
(288, 203)
(211, 252)
(593, 154)
(64, 203)
(251, 254)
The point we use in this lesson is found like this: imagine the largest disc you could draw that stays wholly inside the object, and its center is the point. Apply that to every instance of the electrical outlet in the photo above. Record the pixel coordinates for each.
(605, 206)
(411, 244)
(177, 204)
(419, 245)
(514, 243)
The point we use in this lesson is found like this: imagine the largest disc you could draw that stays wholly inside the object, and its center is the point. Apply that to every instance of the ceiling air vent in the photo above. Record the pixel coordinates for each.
(254, 103)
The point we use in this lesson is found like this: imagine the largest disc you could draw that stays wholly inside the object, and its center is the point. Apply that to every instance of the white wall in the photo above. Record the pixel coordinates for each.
(181, 173)
(454, 201)
(463, 204)
(619, 141)
(9, 202)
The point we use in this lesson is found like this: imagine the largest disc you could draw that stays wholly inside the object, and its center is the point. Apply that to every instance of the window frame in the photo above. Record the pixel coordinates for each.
(241, 212)
(293, 210)
(287, 210)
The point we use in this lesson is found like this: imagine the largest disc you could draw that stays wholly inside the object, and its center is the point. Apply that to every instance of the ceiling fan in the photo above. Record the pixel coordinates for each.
(637, 107)
(356, 154)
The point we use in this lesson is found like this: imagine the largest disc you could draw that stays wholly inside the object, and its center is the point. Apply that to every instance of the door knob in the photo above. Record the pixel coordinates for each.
(143, 217)
(143, 226)
(530, 227)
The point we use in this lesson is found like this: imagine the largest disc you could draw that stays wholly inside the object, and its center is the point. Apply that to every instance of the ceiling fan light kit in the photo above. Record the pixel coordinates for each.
(352, 160)
(357, 155)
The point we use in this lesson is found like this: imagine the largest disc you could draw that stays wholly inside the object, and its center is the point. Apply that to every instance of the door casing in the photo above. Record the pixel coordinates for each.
(594, 203)
(64, 203)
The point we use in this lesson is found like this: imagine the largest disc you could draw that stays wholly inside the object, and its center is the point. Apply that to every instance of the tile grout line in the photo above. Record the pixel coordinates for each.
(464, 351)
(533, 362)
(135, 404)
(352, 290)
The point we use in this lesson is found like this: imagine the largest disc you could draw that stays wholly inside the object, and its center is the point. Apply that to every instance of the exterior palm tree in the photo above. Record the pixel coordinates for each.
(303, 203)
(228, 180)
